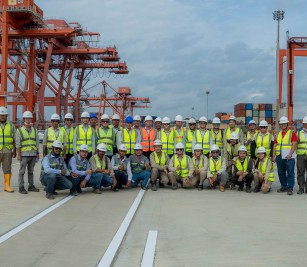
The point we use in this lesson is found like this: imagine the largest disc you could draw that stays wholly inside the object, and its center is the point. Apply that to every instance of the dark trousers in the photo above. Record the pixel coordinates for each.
(248, 179)
(68, 157)
(147, 154)
(121, 177)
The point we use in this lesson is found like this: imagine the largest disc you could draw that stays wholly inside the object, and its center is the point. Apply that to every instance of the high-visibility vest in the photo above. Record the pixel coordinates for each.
(105, 137)
(183, 164)
(179, 135)
(168, 143)
(147, 140)
(80, 165)
(189, 137)
(217, 139)
(161, 161)
(137, 166)
(264, 141)
(200, 162)
(302, 144)
(215, 165)
(262, 168)
(204, 141)
(69, 139)
(7, 136)
(242, 167)
(51, 137)
(55, 163)
(283, 143)
(129, 140)
(27, 140)
(83, 138)
(228, 133)
(232, 153)
(98, 163)
(248, 137)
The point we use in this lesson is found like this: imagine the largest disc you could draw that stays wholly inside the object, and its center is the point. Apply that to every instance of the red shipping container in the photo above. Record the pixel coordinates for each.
(262, 106)
(240, 113)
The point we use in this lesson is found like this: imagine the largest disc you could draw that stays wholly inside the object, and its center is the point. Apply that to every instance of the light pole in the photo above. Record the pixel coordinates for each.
(207, 93)
(192, 112)
(277, 15)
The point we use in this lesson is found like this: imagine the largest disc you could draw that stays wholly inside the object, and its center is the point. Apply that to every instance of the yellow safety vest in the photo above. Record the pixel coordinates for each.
(243, 167)
(264, 141)
(217, 138)
(263, 168)
(204, 141)
(200, 162)
(189, 137)
(248, 147)
(51, 137)
(106, 138)
(283, 143)
(215, 165)
(160, 161)
(302, 144)
(7, 136)
(83, 138)
(69, 140)
(98, 163)
(27, 141)
(129, 140)
(183, 164)
(179, 135)
(231, 154)
(228, 133)
(167, 141)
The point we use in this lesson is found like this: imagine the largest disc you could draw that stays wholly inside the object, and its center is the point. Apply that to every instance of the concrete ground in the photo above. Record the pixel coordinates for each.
(195, 228)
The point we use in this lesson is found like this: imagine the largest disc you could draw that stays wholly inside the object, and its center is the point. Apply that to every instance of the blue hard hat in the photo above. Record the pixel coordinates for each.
(93, 115)
(129, 119)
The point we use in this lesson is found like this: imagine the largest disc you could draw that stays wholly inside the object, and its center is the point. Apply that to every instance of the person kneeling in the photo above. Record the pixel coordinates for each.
(119, 164)
(200, 163)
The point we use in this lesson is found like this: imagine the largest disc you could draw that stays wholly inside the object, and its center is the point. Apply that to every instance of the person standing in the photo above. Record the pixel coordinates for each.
(203, 136)
(232, 127)
(27, 144)
(158, 124)
(69, 135)
(116, 129)
(250, 136)
(217, 134)
(137, 124)
(93, 121)
(105, 134)
(189, 137)
(167, 136)
(179, 130)
(148, 136)
(200, 163)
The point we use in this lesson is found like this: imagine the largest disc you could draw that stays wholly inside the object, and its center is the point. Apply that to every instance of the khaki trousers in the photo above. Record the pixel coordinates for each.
(200, 177)
(186, 181)
(155, 174)
(6, 161)
(260, 182)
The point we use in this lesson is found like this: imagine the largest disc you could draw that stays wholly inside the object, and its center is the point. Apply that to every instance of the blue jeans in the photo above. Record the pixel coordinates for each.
(143, 177)
(92, 182)
(55, 181)
(104, 179)
(121, 177)
(285, 172)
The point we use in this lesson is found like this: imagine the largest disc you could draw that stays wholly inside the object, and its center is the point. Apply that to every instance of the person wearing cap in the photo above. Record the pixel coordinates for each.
(158, 124)
(54, 171)
(159, 161)
(302, 158)
(7, 148)
(189, 137)
(263, 172)
(137, 124)
(200, 163)
(128, 137)
(216, 173)
(119, 164)
(27, 144)
(217, 134)
(80, 165)
(138, 168)
(93, 121)
(148, 136)
(284, 153)
(250, 136)
(243, 170)
(69, 135)
(116, 129)
(232, 127)
(84, 134)
(105, 134)
(263, 138)
(181, 169)
(103, 173)
(179, 130)
(203, 136)
(167, 137)
(53, 133)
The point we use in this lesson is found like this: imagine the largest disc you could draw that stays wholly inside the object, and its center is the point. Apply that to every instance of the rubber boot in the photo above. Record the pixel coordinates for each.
(7, 182)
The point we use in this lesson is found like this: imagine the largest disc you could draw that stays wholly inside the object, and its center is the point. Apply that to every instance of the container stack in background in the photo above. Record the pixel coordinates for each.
(223, 116)
(245, 112)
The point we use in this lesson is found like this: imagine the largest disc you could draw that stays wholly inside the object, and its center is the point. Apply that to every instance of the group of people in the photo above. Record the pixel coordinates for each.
(118, 156)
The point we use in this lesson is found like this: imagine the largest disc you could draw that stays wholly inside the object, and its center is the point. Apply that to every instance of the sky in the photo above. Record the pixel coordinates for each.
(176, 50)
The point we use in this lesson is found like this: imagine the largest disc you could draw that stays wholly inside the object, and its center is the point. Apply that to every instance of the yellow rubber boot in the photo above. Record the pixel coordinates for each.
(7, 182)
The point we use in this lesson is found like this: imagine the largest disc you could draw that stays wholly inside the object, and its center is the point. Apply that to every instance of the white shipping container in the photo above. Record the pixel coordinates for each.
(261, 119)
(255, 106)
(256, 119)
(274, 107)
(249, 113)
(241, 119)
(262, 114)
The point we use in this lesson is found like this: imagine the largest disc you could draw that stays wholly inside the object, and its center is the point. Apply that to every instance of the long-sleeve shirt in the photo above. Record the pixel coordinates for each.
(223, 168)
(94, 166)
(250, 165)
(268, 168)
(153, 163)
(49, 170)
(129, 170)
(73, 166)
(205, 163)
(74, 143)
(56, 132)
(202, 132)
(120, 137)
(172, 168)
(13, 129)
(30, 153)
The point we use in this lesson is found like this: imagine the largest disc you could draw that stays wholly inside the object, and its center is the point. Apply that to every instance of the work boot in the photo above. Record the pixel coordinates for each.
(289, 192)
(22, 190)
(240, 188)
(222, 188)
(256, 189)
(153, 186)
(161, 185)
(300, 191)
(200, 187)
(50, 196)
(248, 189)
(114, 188)
(282, 190)
(32, 188)
(174, 186)
(7, 182)
(144, 187)
(97, 191)
(74, 193)
(233, 187)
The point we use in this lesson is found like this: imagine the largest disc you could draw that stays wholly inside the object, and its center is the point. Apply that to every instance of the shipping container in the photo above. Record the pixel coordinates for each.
(239, 106)
(249, 113)
(124, 90)
(240, 113)
(268, 106)
(248, 119)
(225, 121)
(274, 113)
(268, 113)
(255, 106)
(262, 113)
(225, 117)
(255, 113)
(249, 106)
(241, 120)
(269, 120)
(262, 106)
(256, 119)
(274, 107)
(261, 118)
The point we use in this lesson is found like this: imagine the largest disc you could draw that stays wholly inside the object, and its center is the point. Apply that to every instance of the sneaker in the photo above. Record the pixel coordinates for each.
(22, 190)
(256, 189)
(97, 191)
(233, 187)
(144, 187)
(289, 192)
(174, 186)
(154, 187)
(79, 190)
(240, 188)
(32, 188)
(222, 188)
(74, 193)
(248, 189)
(282, 190)
(114, 188)
(50, 196)
(300, 191)
(200, 187)
(161, 185)
(55, 193)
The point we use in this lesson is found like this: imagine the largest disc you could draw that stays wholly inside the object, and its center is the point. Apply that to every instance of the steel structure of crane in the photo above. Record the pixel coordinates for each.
(296, 47)
(33, 48)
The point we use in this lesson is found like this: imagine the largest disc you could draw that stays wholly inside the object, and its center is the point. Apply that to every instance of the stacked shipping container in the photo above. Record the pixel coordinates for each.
(223, 116)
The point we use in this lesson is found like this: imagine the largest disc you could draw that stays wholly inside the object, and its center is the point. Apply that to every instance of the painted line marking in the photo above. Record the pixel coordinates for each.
(113, 247)
(150, 249)
(32, 220)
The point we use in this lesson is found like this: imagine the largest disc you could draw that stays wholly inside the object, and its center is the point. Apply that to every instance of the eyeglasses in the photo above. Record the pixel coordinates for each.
(166, 123)
(214, 152)
(177, 149)
(68, 119)
(104, 121)
(57, 148)
(192, 124)
(262, 127)
(83, 151)
(54, 121)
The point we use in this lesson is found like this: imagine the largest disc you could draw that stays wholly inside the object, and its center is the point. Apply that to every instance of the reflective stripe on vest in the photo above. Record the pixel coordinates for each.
(160, 161)
(80, 165)
(231, 153)
(302, 144)
(98, 163)
(129, 140)
(215, 165)
(137, 166)
(200, 162)
(264, 141)
(262, 168)
(6, 136)
(69, 139)
(190, 136)
(147, 140)
(51, 137)
(283, 143)
(55, 163)
(183, 164)
(242, 167)
(83, 138)
(204, 141)
(228, 133)
(248, 147)
(105, 137)
(168, 143)
(179, 135)
(217, 138)
(27, 141)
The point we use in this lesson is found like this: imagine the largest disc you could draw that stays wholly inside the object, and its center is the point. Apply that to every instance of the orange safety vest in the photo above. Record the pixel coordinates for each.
(147, 140)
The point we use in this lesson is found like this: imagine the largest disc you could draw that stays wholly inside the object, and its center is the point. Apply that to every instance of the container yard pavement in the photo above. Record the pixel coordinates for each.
(206, 228)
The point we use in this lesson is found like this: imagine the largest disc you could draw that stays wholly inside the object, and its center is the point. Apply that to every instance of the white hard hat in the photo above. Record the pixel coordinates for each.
(234, 136)
(198, 147)
(232, 118)
(216, 120)
(138, 147)
(137, 118)
(3, 111)
(178, 118)
(123, 147)
(261, 150)
(68, 116)
(84, 147)
(263, 123)
(55, 117)
(305, 119)
(115, 117)
(283, 120)
(192, 120)
(158, 119)
(166, 120)
(179, 145)
(101, 147)
(27, 115)
(85, 114)
(252, 122)
(57, 144)
(148, 118)
(203, 119)
(214, 147)
(158, 142)
(242, 148)
(105, 117)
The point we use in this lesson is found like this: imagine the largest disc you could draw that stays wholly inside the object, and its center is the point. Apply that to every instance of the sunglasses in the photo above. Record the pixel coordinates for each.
(68, 119)
(192, 124)
(214, 152)
(179, 149)
(166, 123)
(262, 127)
(57, 148)
(202, 123)
(54, 121)
(104, 121)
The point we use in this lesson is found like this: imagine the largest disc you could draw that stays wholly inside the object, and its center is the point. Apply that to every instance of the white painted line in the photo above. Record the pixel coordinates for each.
(32, 220)
(150, 249)
(112, 249)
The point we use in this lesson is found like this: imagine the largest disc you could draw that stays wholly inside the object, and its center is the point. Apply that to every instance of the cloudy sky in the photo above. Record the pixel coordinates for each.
(178, 49)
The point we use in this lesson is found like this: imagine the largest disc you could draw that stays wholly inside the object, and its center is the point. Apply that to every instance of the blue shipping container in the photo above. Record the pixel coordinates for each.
(249, 106)
(268, 113)
(268, 107)
(248, 119)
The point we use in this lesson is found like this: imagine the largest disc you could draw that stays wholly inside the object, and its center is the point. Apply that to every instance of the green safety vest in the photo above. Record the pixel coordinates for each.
(51, 137)
(106, 138)
(189, 140)
(264, 141)
(7, 136)
(248, 137)
(263, 168)
(162, 160)
(137, 166)
(69, 140)
(242, 167)
(83, 138)
(27, 140)
(215, 165)
(168, 143)
(302, 144)
(217, 138)
(129, 140)
(80, 165)
(200, 163)
(183, 163)
(228, 133)
(100, 165)
(231, 154)
(179, 135)
(204, 141)
(283, 143)
(55, 163)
